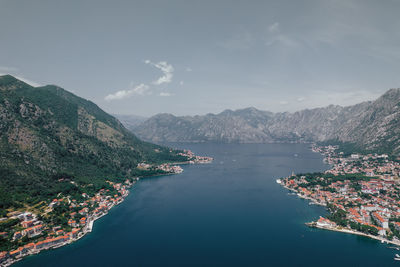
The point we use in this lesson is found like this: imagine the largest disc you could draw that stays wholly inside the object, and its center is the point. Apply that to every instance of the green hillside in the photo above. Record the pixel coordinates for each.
(52, 140)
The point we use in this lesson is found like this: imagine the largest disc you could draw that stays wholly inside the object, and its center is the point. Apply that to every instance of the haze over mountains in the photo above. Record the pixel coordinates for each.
(372, 125)
(130, 121)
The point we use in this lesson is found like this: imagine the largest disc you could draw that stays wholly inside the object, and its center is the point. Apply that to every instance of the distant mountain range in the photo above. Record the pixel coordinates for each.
(372, 125)
(52, 140)
(130, 121)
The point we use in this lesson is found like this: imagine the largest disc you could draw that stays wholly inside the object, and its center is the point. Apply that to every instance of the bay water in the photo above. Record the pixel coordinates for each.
(227, 213)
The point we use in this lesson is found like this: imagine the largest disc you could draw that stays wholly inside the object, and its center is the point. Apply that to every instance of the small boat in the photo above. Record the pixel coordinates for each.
(397, 259)
(397, 255)
(278, 181)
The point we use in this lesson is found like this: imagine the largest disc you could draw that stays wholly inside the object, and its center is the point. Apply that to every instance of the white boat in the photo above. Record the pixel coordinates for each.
(397, 259)
(397, 255)
(278, 181)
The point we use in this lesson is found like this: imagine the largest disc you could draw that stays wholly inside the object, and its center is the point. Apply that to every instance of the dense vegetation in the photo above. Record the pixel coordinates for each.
(54, 142)
(313, 179)
(338, 216)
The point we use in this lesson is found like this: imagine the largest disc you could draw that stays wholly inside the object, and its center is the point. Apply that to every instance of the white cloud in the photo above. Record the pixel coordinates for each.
(167, 70)
(283, 102)
(165, 94)
(274, 27)
(181, 82)
(144, 89)
(141, 89)
(301, 99)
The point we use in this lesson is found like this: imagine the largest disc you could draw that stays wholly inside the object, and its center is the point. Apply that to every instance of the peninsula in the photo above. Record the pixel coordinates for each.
(65, 219)
(360, 191)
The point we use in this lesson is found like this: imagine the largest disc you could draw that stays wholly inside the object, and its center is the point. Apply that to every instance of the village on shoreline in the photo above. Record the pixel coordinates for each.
(361, 193)
(32, 234)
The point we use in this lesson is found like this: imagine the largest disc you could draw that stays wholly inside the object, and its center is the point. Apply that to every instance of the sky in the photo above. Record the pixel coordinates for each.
(197, 57)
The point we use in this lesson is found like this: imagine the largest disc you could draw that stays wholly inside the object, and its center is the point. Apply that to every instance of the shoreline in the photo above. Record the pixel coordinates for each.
(314, 201)
(314, 224)
(85, 230)
(88, 227)
(352, 231)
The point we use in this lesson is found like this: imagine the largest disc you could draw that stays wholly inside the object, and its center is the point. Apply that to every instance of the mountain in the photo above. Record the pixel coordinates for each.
(228, 126)
(52, 140)
(373, 125)
(130, 121)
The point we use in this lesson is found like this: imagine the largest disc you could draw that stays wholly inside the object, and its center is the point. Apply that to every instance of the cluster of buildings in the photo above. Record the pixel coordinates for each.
(166, 167)
(372, 165)
(30, 234)
(175, 169)
(81, 214)
(29, 223)
(170, 168)
(365, 187)
(195, 159)
(50, 242)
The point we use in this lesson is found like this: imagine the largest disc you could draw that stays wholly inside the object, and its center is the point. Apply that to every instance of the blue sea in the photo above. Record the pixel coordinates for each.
(227, 213)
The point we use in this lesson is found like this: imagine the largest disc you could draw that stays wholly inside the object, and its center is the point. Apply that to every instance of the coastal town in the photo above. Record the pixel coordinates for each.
(64, 219)
(360, 191)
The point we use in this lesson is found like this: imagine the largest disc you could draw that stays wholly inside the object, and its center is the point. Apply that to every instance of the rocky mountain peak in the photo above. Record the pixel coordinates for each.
(370, 124)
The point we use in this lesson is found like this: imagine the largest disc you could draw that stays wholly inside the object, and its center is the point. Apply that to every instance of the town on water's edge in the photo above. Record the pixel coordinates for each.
(31, 234)
(361, 193)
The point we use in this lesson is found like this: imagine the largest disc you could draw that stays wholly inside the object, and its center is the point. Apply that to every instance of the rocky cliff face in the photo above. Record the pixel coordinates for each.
(371, 125)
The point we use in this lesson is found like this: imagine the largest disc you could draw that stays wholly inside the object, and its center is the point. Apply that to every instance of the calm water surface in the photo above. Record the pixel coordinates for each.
(228, 213)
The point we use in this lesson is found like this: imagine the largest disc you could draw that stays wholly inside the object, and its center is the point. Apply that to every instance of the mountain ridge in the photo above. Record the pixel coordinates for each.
(370, 125)
(50, 137)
